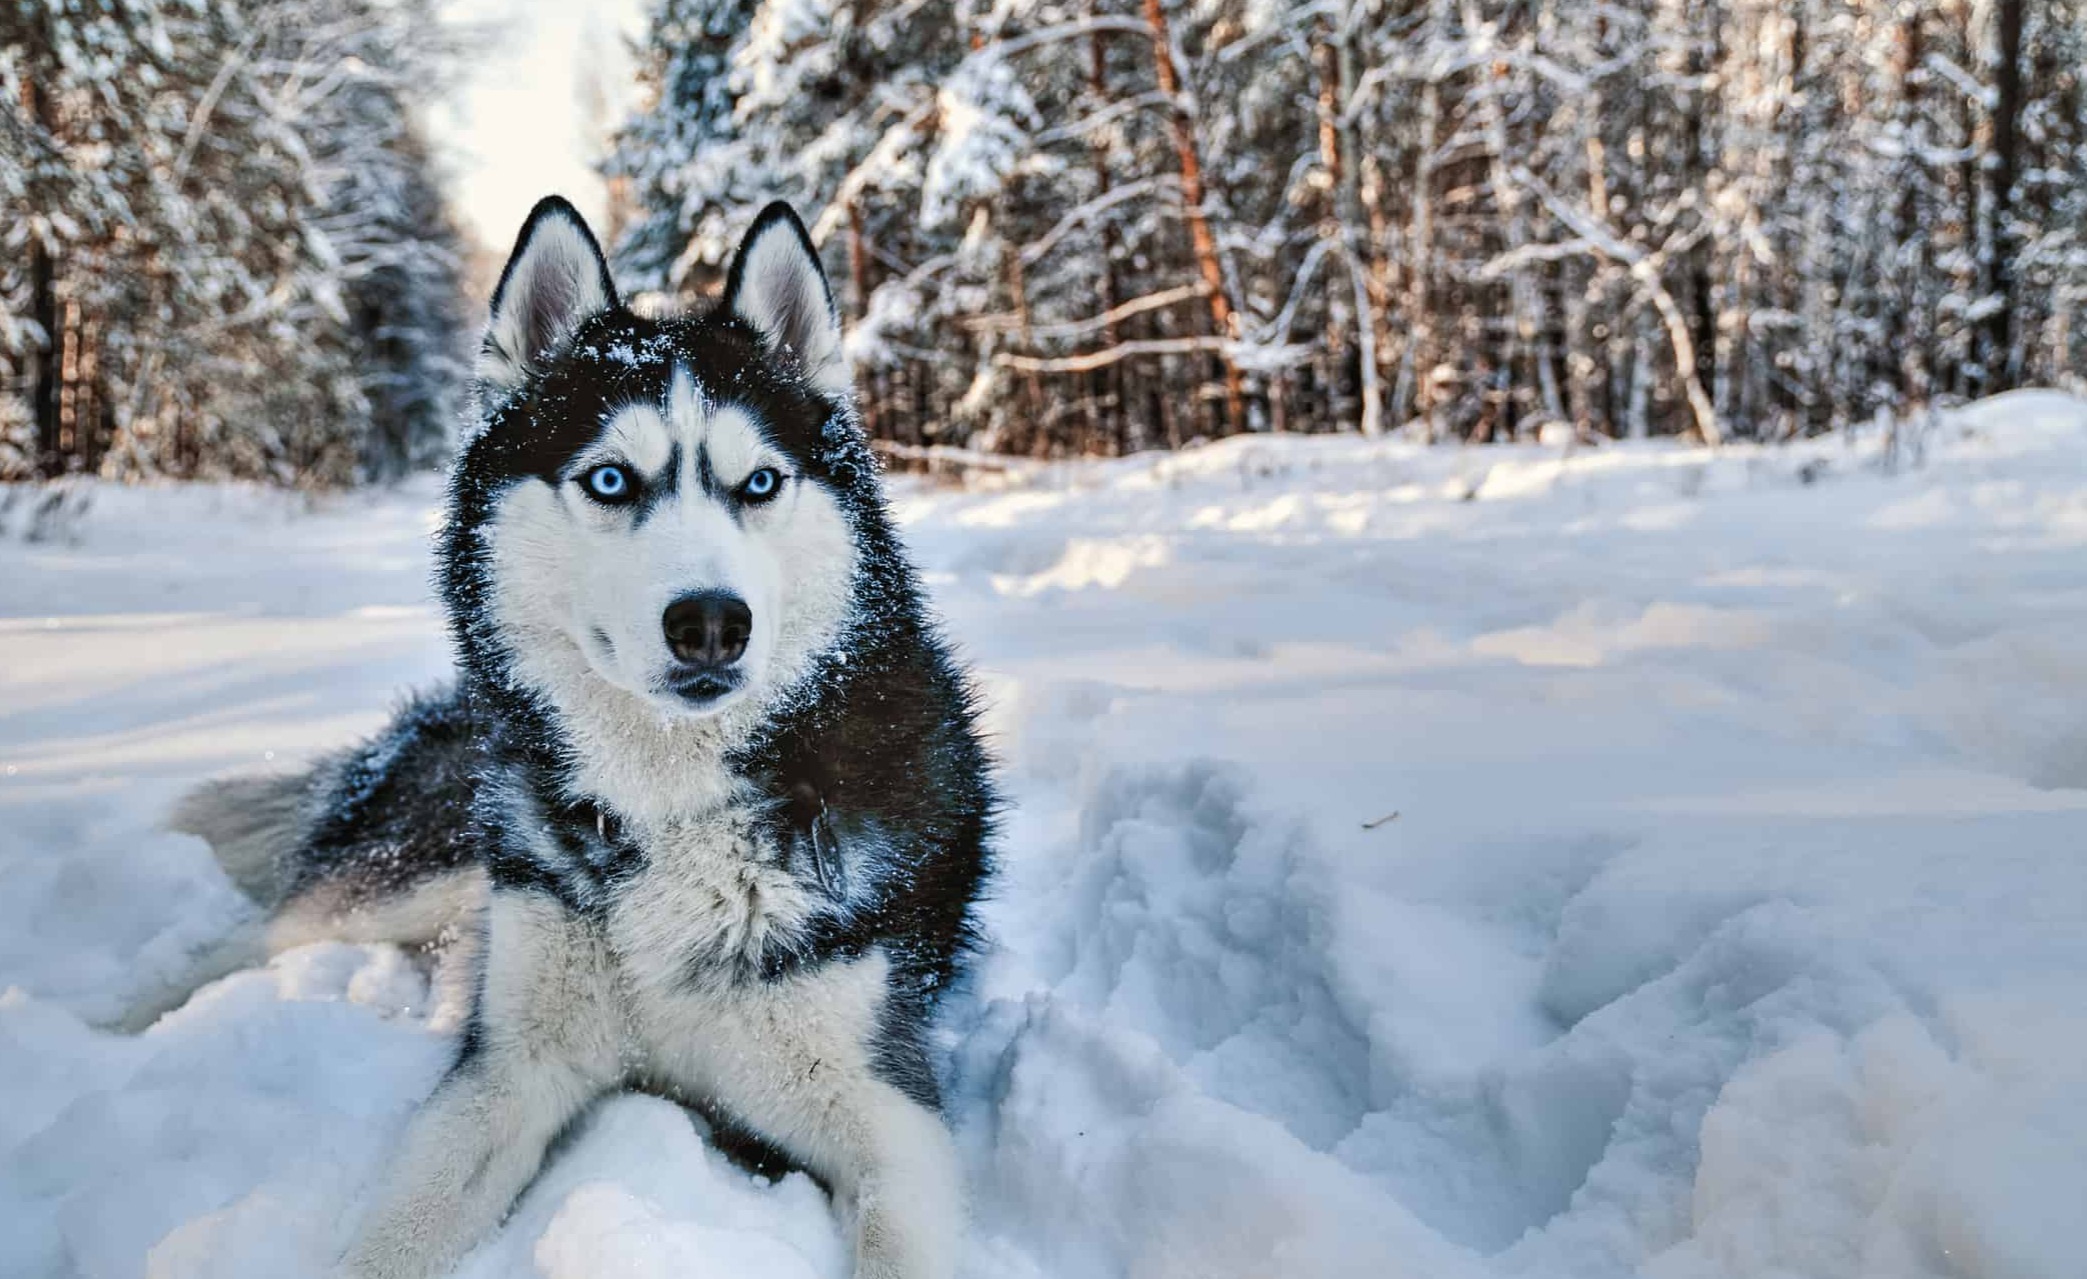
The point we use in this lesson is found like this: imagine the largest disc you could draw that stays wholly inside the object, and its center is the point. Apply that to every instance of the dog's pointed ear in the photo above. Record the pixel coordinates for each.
(555, 279)
(778, 286)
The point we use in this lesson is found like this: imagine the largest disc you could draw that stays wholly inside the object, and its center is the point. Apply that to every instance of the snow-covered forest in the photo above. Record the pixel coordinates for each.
(1076, 226)
(227, 252)
(1105, 225)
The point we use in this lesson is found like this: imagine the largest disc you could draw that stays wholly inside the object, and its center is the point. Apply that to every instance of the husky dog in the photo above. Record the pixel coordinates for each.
(707, 799)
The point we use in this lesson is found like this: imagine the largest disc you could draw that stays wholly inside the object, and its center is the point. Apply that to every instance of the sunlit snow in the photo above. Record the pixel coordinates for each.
(1424, 862)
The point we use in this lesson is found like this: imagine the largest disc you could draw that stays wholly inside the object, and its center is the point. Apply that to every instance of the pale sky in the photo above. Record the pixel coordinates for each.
(522, 126)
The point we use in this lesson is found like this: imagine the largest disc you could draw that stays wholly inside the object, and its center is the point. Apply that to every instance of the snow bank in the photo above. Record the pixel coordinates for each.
(1452, 863)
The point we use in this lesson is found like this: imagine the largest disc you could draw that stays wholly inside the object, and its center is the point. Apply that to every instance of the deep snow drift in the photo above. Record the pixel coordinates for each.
(1733, 919)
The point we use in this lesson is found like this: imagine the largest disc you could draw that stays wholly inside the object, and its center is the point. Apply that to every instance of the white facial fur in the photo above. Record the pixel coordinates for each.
(580, 587)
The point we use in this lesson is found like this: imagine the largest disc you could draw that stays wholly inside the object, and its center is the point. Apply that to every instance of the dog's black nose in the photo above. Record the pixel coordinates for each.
(708, 628)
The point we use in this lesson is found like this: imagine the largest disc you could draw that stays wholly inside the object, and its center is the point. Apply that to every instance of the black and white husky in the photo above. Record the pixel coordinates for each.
(707, 800)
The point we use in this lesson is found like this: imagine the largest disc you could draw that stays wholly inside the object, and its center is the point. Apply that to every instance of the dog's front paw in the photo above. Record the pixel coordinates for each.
(385, 1251)
(359, 1264)
(904, 1244)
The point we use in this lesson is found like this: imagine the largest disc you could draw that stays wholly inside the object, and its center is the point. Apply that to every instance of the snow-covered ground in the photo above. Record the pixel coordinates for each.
(1732, 919)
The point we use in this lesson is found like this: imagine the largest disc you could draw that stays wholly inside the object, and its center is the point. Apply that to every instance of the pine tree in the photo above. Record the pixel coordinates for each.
(1102, 225)
(236, 258)
(677, 161)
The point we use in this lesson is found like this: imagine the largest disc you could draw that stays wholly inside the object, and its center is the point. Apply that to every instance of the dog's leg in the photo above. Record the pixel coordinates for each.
(545, 1042)
(907, 1189)
(245, 947)
(795, 1061)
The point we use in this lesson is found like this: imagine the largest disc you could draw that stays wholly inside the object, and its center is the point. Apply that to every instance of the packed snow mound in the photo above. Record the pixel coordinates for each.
(1495, 862)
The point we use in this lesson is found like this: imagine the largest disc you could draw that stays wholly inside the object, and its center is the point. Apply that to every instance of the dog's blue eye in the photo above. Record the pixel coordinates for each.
(762, 485)
(609, 483)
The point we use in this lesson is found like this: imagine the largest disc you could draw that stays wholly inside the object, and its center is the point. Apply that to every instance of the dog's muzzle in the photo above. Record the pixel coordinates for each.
(707, 632)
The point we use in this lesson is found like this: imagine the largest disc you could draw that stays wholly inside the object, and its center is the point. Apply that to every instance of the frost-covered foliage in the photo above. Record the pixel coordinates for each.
(985, 118)
(227, 253)
(1076, 225)
(678, 166)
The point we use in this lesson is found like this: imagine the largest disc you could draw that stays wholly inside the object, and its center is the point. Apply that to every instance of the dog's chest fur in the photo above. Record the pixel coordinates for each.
(688, 934)
(712, 898)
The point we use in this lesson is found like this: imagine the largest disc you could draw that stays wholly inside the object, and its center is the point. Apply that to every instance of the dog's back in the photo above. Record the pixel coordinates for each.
(376, 818)
(370, 845)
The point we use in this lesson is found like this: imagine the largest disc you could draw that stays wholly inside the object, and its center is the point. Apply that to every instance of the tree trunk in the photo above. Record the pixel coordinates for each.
(1341, 317)
(1702, 317)
(43, 309)
(1913, 329)
(1107, 385)
(1527, 321)
(1341, 152)
(1998, 343)
(1201, 240)
(1414, 394)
